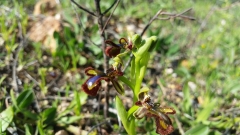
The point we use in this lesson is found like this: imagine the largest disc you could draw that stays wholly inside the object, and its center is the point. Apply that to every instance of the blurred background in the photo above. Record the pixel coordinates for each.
(46, 44)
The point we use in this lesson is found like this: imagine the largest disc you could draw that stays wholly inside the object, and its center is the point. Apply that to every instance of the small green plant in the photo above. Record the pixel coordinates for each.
(143, 106)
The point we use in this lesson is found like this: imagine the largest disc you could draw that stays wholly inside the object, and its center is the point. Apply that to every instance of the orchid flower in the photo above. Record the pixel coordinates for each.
(92, 85)
(150, 109)
(114, 49)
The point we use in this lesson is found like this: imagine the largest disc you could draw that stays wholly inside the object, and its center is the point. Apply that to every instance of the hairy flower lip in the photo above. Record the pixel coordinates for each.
(93, 91)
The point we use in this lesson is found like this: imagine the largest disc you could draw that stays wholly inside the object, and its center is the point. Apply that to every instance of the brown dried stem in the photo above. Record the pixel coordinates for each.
(110, 7)
(82, 8)
(117, 2)
(106, 59)
(14, 66)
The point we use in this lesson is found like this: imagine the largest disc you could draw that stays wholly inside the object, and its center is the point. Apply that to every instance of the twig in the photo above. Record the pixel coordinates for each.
(179, 125)
(154, 18)
(106, 121)
(109, 7)
(14, 66)
(84, 9)
(82, 27)
(176, 15)
(161, 86)
(37, 83)
(30, 63)
(202, 26)
(78, 18)
(150, 22)
(110, 15)
(31, 78)
(106, 59)
(56, 98)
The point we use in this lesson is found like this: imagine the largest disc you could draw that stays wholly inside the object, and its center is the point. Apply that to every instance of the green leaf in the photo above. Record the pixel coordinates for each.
(49, 115)
(173, 50)
(83, 97)
(78, 103)
(215, 133)
(206, 111)
(27, 129)
(198, 130)
(121, 111)
(13, 98)
(29, 114)
(68, 119)
(6, 118)
(2, 78)
(187, 102)
(183, 72)
(131, 111)
(233, 87)
(25, 99)
(128, 125)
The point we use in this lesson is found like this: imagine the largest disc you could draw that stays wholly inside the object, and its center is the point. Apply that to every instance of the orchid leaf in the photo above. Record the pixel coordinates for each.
(122, 113)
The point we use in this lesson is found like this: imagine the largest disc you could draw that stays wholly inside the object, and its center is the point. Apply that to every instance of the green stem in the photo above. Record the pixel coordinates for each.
(138, 79)
(140, 70)
(133, 70)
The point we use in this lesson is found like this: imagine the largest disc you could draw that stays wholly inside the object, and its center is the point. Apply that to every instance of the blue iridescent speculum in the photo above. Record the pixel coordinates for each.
(91, 83)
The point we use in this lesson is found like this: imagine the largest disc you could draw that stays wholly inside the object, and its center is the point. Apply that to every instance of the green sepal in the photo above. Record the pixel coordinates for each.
(118, 87)
(145, 48)
(136, 40)
(142, 93)
(126, 81)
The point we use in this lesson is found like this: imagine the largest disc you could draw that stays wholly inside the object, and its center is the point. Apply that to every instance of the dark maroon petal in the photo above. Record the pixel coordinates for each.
(93, 72)
(109, 42)
(112, 51)
(138, 103)
(90, 71)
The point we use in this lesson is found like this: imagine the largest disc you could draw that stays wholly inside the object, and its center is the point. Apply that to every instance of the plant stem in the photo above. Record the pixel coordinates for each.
(106, 59)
